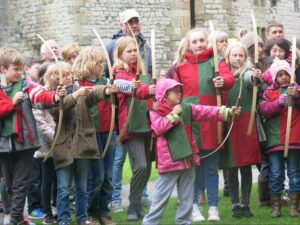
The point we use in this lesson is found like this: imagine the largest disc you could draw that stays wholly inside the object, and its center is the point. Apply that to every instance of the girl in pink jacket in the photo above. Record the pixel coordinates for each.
(176, 150)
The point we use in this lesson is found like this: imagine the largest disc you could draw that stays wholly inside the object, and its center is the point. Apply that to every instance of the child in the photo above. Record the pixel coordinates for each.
(89, 73)
(70, 52)
(274, 109)
(136, 140)
(196, 73)
(46, 129)
(241, 150)
(19, 137)
(31, 68)
(173, 139)
(222, 42)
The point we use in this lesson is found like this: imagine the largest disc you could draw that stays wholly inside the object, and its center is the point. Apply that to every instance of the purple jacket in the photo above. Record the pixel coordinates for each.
(161, 124)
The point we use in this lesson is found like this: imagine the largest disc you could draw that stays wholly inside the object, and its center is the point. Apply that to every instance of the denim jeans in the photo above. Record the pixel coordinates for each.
(100, 179)
(210, 166)
(199, 184)
(277, 175)
(119, 160)
(79, 169)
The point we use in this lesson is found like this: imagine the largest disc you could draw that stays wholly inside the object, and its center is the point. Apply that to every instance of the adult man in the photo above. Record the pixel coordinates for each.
(46, 54)
(275, 30)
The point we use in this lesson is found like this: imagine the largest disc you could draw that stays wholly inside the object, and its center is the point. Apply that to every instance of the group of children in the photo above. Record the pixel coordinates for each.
(179, 132)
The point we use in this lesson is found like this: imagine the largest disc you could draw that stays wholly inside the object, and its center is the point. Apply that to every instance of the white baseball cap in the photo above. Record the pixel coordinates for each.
(127, 15)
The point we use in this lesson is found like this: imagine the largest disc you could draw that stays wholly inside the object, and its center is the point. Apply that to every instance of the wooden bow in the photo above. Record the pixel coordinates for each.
(112, 96)
(60, 117)
(290, 101)
(255, 80)
(216, 63)
(133, 98)
(153, 55)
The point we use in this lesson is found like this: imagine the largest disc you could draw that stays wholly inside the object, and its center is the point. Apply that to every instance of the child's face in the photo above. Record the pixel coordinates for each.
(129, 55)
(174, 96)
(67, 78)
(97, 70)
(278, 52)
(73, 57)
(13, 73)
(222, 44)
(198, 42)
(283, 77)
(32, 72)
(237, 57)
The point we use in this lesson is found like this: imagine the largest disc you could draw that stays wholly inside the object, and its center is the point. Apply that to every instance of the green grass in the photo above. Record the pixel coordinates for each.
(261, 214)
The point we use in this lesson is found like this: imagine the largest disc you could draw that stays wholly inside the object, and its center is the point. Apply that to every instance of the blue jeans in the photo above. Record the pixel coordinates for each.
(120, 157)
(100, 179)
(199, 184)
(210, 165)
(79, 169)
(277, 175)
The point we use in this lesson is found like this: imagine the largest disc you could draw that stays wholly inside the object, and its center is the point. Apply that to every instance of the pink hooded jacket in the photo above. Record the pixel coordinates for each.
(161, 124)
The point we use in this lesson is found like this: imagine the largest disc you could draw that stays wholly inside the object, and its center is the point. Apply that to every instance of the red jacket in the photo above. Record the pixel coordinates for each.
(196, 74)
(6, 105)
(142, 93)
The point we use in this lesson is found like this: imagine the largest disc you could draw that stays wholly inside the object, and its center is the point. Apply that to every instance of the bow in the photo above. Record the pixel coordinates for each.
(112, 97)
(255, 80)
(216, 67)
(131, 106)
(290, 101)
(60, 117)
(153, 57)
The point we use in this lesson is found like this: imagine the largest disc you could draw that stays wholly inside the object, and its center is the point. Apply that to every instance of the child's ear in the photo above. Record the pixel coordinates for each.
(26, 69)
(3, 69)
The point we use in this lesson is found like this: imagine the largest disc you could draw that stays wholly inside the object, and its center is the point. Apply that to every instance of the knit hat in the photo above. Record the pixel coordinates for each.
(127, 15)
(248, 40)
(279, 65)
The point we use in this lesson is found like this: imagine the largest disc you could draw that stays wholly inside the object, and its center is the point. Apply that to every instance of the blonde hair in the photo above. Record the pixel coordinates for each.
(179, 55)
(247, 63)
(219, 35)
(85, 62)
(120, 46)
(10, 56)
(69, 49)
(195, 30)
(54, 70)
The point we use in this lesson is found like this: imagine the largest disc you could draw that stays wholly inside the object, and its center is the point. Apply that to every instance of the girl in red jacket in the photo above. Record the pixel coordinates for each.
(196, 73)
(136, 140)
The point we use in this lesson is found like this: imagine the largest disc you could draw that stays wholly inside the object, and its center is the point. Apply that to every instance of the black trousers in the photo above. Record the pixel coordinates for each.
(34, 186)
(16, 168)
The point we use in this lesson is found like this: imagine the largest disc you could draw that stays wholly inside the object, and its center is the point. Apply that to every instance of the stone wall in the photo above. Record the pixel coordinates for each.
(72, 20)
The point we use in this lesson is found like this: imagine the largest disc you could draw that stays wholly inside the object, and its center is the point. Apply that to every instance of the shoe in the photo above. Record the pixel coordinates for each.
(237, 211)
(196, 214)
(95, 220)
(36, 214)
(25, 222)
(213, 214)
(294, 204)
(246, 212)
(116, 207)
(48, 219)
(6, 219)
(86, 222)
(132, 216)
(276, 205)
(146, 203)
(107, 220)
(64, 223)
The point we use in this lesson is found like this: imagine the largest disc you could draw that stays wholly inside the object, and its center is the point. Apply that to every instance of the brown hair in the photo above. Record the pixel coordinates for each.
(273, 23)
(10, 56)
(68, 50)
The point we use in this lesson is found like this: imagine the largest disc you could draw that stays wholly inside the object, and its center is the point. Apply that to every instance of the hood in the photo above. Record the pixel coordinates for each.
(162, 86)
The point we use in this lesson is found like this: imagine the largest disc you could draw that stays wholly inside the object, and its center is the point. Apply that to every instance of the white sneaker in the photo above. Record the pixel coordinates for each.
(196, 214)
(6, 219)
(213, 214)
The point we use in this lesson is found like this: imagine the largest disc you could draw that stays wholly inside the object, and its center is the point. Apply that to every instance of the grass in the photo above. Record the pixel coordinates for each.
(261, 214)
